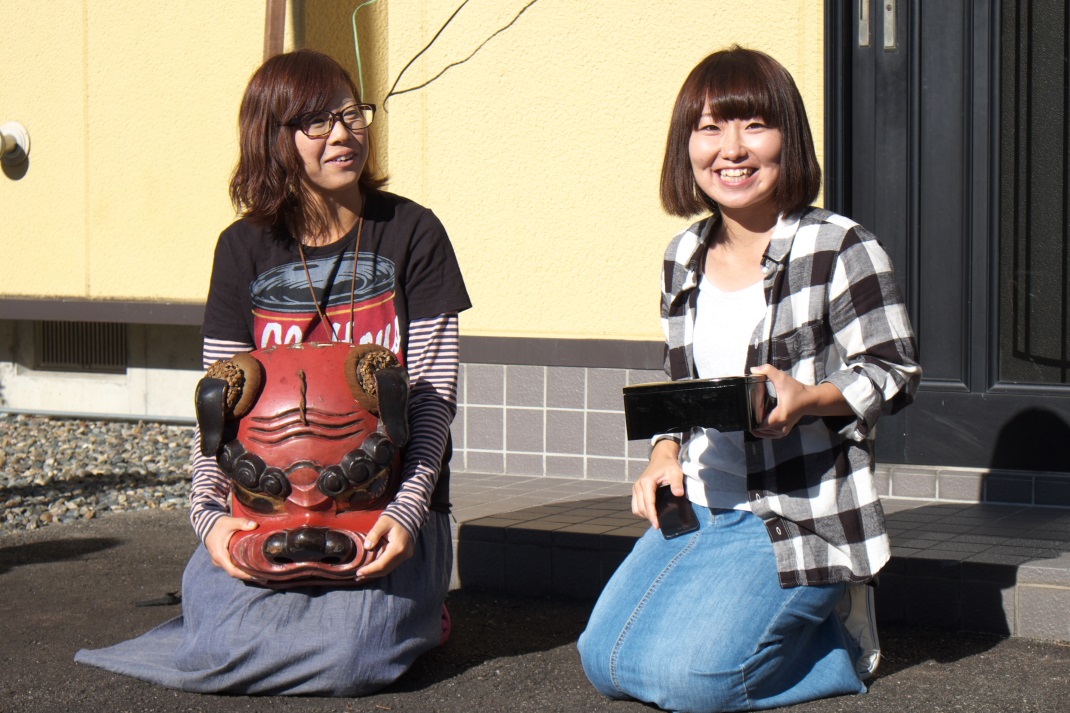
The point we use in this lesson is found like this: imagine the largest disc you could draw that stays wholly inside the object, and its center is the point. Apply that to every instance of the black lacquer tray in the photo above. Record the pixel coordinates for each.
(727, 403)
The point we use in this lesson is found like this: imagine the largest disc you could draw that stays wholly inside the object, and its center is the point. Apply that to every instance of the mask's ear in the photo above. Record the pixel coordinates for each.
(393, 387)
(210, 400)
(228, 391)
(243, 392)
(361, 366)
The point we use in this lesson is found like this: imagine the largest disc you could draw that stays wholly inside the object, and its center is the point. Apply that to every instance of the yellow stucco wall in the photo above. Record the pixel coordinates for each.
(43, 212)
(540, 152)
(131, 113)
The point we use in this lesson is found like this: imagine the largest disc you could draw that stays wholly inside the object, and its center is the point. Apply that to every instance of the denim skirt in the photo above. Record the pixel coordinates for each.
(700, 623)
(234, 637)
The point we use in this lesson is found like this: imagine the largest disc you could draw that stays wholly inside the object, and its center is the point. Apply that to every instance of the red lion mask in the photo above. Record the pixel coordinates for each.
(310, 436)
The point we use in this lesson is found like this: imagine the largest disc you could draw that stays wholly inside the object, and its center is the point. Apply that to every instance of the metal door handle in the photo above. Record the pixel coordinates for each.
(863, 23)
(889, 24)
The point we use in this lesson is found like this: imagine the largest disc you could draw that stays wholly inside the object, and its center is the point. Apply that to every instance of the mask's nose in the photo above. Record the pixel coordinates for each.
(304, 492)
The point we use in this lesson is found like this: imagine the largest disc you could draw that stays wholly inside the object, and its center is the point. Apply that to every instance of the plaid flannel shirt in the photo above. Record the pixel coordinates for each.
(833, 315)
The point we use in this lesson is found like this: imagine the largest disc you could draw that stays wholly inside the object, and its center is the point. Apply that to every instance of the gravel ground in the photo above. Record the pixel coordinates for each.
(65, 469)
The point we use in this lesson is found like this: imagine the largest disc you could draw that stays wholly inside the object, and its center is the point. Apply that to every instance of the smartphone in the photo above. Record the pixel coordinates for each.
(675, 513)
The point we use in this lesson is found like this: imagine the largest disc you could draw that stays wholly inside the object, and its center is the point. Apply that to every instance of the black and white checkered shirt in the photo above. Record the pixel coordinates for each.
(833, 315)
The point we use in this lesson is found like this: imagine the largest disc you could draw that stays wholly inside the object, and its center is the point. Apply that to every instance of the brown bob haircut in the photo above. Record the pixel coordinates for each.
(740, 83)
(268, 186)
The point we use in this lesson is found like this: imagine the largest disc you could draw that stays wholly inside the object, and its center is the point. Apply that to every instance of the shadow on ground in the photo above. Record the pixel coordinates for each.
(487, 627)
(52, 551)
(94, 483)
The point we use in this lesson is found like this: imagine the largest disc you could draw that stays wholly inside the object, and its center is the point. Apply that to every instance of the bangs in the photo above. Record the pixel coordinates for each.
(734, 89)
(308, 84)
(728, 105)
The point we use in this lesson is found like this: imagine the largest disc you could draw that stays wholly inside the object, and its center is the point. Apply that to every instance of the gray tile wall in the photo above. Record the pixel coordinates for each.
(569, 422)
(972, 485)
(546, 420)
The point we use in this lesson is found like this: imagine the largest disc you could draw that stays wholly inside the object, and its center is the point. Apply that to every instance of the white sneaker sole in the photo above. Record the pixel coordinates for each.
(859, 616)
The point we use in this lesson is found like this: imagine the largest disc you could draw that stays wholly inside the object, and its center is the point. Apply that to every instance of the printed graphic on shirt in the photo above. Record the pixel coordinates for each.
(284, 313)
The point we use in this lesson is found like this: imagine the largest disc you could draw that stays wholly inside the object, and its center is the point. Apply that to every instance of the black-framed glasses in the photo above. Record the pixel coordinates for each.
(318, 124)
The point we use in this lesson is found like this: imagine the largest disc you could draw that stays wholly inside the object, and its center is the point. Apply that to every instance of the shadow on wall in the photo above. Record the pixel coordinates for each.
(1035, 439)
(567, 548)
(16, 171)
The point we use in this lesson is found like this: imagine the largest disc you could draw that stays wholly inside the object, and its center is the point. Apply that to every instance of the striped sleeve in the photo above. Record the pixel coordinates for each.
(432, 360)
(208, 495)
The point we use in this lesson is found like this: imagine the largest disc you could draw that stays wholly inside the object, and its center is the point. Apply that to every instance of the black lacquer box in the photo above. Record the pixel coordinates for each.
(727, 403)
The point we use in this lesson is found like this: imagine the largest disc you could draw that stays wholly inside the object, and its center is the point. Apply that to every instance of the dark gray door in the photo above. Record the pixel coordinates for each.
(947, 134)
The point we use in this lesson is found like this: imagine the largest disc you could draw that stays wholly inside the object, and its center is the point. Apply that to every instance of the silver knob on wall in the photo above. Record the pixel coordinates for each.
(14, 143)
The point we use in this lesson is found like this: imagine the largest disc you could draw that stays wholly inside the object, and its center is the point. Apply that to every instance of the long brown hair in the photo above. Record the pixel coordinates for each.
(740, 83)
(268, 186)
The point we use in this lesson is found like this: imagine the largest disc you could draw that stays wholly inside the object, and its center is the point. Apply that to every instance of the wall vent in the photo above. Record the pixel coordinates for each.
(98, 347)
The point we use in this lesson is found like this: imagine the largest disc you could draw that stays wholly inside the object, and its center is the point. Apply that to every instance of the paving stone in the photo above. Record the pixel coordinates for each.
(1042, 612)
(960, 566)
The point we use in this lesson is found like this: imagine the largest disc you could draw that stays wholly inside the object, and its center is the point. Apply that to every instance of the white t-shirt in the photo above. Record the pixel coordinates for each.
(714, 463)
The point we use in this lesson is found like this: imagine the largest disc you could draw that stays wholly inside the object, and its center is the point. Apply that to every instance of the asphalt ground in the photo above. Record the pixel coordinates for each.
(70, 586)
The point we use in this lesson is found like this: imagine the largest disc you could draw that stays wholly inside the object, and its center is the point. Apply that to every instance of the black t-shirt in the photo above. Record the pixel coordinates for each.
(406, 269)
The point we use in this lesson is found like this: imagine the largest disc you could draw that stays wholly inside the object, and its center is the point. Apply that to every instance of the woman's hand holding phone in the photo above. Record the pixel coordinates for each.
(663, 470)
(675, 513)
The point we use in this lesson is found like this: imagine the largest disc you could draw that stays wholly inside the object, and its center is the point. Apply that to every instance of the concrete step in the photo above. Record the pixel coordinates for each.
(965, 566)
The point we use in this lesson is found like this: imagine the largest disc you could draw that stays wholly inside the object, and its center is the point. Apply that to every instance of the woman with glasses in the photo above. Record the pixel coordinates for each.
(766, 603)
(321, 253)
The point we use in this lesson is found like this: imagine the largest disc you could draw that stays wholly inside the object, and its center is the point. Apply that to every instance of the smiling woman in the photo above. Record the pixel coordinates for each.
(281, 121)
(742, 85)
(333, 144)
(320, 254)
(736, 162)
(790, 528)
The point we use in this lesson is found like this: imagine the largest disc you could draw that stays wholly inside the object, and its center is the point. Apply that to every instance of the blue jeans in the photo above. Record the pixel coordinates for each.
(700, 623)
